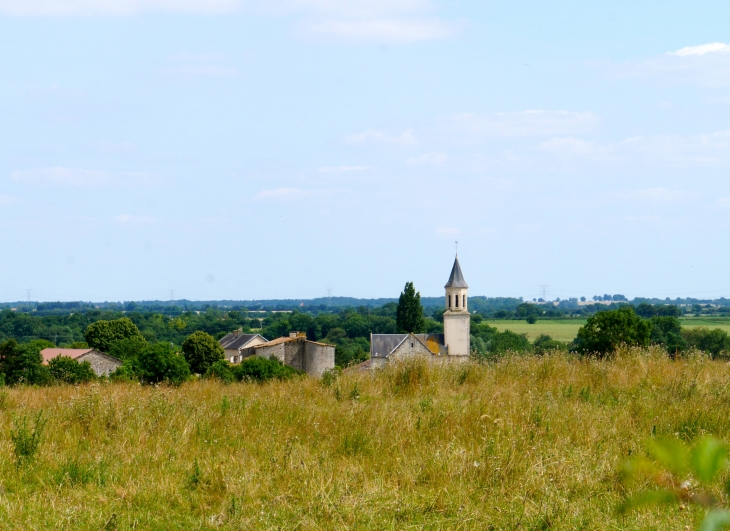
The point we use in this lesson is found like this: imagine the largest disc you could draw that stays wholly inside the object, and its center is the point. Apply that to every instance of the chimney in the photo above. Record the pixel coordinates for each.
(293, 334)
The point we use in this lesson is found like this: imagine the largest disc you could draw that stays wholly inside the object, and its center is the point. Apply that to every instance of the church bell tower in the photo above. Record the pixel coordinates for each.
(456, 318)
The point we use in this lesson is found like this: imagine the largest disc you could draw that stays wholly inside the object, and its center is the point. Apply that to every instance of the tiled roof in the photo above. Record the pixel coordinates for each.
(73, 353)
(281, 340)
(456, 280)
(236, 341)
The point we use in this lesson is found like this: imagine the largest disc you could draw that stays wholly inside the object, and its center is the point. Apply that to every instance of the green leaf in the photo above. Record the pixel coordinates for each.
(671, 453)
(652, 497)
(715, 520)
(708, 458)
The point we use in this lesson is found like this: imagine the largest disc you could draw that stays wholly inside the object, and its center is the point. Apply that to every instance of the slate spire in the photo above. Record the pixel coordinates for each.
(456, 280)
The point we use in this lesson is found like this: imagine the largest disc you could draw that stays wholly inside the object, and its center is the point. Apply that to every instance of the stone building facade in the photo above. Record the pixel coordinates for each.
(102, 364)
(236, 342)
(298, 352)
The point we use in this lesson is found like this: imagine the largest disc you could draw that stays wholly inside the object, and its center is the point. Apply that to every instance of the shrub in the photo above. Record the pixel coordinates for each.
(606, 331)
(160, 363)
(544, 344)
(667, 332)
(715, 342)
(23, 363)
(201, 350)
(220, 370)
(26, 440)
(65, 370)
(258, 369)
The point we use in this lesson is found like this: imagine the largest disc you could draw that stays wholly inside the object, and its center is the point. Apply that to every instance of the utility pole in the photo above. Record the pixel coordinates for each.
(544, 291)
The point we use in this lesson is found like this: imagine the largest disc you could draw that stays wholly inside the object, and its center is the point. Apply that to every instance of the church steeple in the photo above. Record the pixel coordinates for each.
(456, 318)
(456, 280)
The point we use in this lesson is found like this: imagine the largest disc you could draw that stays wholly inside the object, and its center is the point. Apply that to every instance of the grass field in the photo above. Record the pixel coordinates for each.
(562, 330)
(567, 329)
(526, 443)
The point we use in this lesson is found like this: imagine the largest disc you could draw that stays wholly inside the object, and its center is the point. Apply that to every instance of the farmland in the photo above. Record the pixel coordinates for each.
(566, 329)
(528, 442)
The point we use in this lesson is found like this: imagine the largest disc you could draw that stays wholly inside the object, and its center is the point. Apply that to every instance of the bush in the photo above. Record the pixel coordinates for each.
(65, 370)
(220, 370)
(606, 331)
(667, 332)
(160, 363)
(201, 350)
(23, 364)
(258, 369)
(715, 342)
(545, 344)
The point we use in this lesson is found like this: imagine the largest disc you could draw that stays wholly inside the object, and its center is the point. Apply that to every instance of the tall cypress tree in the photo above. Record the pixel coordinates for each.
(409, 315)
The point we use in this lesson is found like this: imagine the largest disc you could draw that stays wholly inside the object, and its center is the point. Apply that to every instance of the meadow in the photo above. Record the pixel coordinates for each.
(566, 329)
(524, 443)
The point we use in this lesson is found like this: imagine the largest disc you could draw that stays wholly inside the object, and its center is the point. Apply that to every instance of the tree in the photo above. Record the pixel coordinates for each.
(65, 370)
(667, 332)
(101, 335)
(715, 342)
(24, 363)
(604, 332)
(409, 315)
(201, 350)
(160, 363)
(128, 347)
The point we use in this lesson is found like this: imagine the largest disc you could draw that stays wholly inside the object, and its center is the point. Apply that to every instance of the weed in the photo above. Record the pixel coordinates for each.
(225, 405)
(330, 376)
(355, 393)
(355, 443)
(195, 477)
(26, 440)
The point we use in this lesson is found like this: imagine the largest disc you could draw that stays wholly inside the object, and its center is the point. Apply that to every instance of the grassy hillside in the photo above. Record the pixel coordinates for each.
(529, 443)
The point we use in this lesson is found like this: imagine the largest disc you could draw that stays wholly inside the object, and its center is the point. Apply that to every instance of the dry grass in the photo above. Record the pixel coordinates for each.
(528, 443)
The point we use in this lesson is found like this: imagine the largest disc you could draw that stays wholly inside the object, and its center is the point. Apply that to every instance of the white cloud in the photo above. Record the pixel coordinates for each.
(653, 195)
(428, 159)
(381, 30)
(129, 220)
(8, 200)
(703, 49)
(373, 136)
(447, 231)
(524, 123)
(83, 178)
(707, 65)
(112, 7)
(295, 194)
(342, 169)
(711, 149)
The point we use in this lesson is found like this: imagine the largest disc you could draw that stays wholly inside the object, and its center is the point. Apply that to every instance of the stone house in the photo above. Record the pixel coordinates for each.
(102, 364)
(387, 347)
(298, 352)
(236, 342)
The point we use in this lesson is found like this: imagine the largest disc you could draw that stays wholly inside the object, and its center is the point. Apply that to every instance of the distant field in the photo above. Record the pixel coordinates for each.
(566, 330)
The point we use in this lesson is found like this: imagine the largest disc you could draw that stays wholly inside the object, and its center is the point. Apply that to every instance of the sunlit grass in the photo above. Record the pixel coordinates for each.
(529, 443)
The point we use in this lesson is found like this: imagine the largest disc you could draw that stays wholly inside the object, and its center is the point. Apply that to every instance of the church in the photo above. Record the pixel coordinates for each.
(453, 344)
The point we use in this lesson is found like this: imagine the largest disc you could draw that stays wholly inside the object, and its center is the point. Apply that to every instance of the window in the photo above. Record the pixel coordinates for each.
(449, 301)
(456, 301)
(412, 345)
(463, 304)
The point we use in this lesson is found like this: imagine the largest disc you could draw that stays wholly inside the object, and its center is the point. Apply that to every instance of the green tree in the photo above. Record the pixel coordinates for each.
(160, 363)
(65, 370)
(604, 332)
(201, 350)
(220, 370)
(24, 363)
(409, 315)
(101, 335)
(667, 332)
(715, 342)
(128, 347)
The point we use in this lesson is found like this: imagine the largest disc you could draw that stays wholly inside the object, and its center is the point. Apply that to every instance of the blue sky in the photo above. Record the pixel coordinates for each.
(227, 149)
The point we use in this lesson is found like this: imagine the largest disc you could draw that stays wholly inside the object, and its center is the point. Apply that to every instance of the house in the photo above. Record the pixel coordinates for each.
(453, 344)
(235, 342)
(102, 364)
(298, 352)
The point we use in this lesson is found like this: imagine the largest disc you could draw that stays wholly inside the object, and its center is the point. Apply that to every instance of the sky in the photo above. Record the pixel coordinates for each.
(234, 149)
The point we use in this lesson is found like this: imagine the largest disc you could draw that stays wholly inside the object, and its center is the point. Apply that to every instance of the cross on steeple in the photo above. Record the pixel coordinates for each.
(457, 246)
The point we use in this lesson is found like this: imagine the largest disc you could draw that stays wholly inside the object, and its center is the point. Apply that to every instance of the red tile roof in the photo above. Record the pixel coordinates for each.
(73, 353)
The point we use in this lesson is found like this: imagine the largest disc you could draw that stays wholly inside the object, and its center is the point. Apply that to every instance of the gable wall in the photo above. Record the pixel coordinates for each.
(409, 348)
(102, 365)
